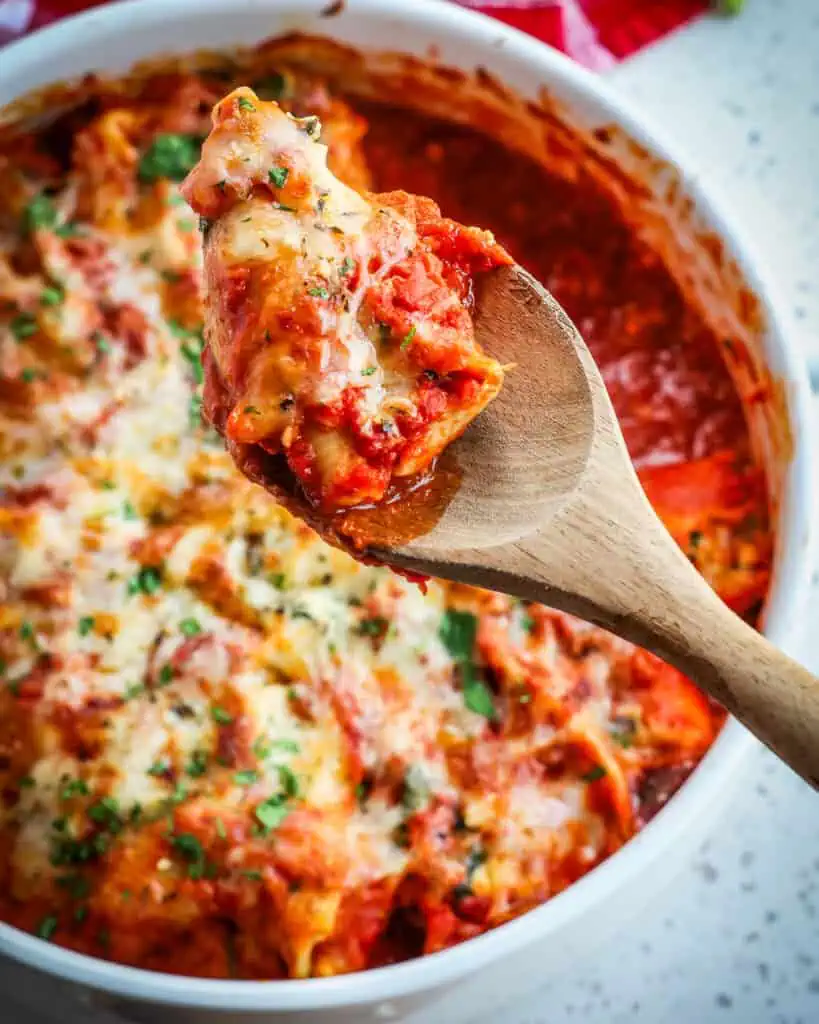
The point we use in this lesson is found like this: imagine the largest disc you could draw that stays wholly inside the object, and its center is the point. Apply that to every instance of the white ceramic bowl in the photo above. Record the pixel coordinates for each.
(111, 38)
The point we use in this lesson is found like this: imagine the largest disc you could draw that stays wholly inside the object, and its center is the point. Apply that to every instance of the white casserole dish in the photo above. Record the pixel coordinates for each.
(111, 39)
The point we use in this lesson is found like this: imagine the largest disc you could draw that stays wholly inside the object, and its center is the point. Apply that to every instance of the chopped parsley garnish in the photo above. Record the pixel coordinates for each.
(190, 849)
(318, 293)
(245, 104)
(195, 411)
(159, 768)
(74, 787)
(474, 859)
(66, 852)
(278, 176)
(220, 716)
(47, 927)
(478, 696)
(288, 780)
(246, 778)
(85, 625)
(77, 887)
(30, 374)
(39, 213)
(190, 627)
(368, 371)
(254, 876)
(347, 266)
(457, 632)
(102, 344)
(271, 813)
(375, 626)
(105, 812)
(133, 690)
(409, 336)
(221, 831)
(596, 773)
(128, 511)
(28, 633)
(289, 746)
(363, 789)
(147, 581)
(23, 326)
(165, 675)
(278, 580)
(198, 764)
(251, 410)
(26, 782)
(51, 296)
(169, 156)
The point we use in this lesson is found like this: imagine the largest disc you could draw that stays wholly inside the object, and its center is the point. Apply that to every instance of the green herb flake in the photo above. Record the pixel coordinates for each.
(278, 176)
(198, 764)
(318, 293)
(26, 782)
(105, 812)
(245, 104)
(246, 778)
(289, 781)
(271, 813)
(368, 371)
(408, 337)
(165, 675)
(46, 928)
(252, 875)
(129, 512)
(478, 697)
(190, 627)
(85, 625)
(51, 296)
(595, 774)
(195, 411)
(191, 851)
(375, 626)
(347, 266)
(169, 156)
(133, 690)
(74, 787)
(23, 326)
(457, 632)
(147, 581)
(252, 410)
(221, 831)
(220, 716)
(159, 769)
(40, 213)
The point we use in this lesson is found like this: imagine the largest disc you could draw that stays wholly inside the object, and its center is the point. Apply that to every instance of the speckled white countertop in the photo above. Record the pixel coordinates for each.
(735, 939)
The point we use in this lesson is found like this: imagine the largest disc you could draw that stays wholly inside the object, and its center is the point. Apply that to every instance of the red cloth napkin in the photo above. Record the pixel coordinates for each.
(593, 32)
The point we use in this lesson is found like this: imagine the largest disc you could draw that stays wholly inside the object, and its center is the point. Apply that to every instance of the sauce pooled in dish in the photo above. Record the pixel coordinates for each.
(339, 332)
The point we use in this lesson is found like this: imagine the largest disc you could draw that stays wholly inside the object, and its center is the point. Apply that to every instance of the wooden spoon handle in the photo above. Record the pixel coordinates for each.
(629, 576)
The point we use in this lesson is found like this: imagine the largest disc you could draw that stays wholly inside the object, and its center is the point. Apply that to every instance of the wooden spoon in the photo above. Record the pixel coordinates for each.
(550, 509)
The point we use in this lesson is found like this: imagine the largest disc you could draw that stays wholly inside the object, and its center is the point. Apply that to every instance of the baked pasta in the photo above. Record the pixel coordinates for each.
(227, 749)
(338, 324)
